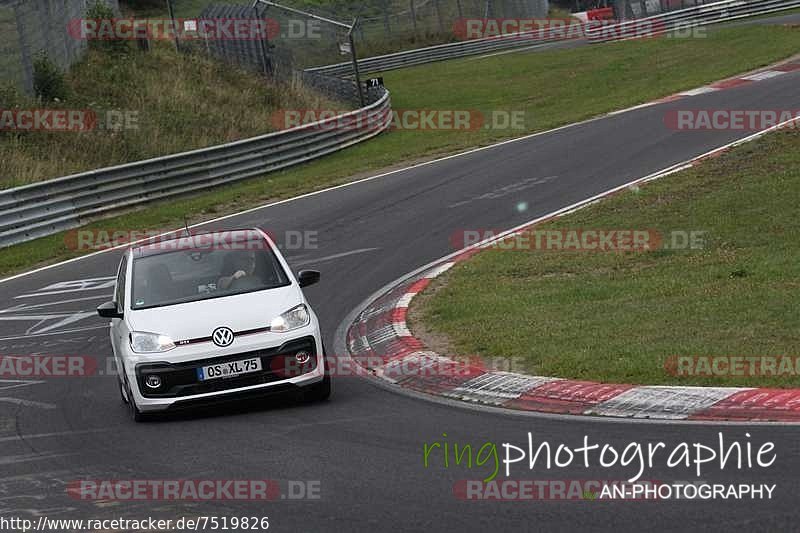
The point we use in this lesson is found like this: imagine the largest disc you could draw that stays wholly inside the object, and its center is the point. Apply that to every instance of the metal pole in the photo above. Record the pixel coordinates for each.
(304, 13)
(350, 29)
(24, 50)
(355, 62)
(174, 26)
(386, 25)
(266, 63)
(439, 15)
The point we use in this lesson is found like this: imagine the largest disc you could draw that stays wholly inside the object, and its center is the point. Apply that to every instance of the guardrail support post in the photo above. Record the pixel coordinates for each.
(355, 62)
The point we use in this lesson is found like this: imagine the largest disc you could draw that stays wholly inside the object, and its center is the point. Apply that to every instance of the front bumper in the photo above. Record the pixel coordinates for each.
(181, 386)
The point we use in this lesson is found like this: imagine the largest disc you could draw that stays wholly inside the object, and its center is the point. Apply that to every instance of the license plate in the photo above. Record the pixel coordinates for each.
(229, 370)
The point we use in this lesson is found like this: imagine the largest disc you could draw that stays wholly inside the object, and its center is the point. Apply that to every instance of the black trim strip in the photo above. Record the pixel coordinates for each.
(242, 333)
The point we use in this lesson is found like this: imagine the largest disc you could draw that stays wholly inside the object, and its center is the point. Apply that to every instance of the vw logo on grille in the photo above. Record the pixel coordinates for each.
(222, 337)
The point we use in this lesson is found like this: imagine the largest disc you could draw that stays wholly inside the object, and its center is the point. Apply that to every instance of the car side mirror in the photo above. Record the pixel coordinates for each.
(109, 310)
(308, 277)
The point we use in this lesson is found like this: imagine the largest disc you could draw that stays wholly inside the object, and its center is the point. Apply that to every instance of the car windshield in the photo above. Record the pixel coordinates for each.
(185, 274)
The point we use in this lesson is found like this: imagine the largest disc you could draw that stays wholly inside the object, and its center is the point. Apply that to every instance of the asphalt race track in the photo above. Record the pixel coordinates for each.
(365, 445)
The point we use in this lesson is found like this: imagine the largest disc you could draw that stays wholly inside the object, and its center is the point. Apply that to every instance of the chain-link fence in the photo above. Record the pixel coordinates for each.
(294, 42)
(30, 27)
(280, 51)
(383, 25)
(630, 9)
(392, 25)
(390, 19)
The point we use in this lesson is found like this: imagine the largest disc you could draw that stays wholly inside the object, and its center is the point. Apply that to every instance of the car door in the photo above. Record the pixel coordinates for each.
(118, 328)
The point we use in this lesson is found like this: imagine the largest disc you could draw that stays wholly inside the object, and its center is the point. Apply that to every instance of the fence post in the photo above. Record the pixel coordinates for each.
(460, 9)
(263, 44)
(24, 50)
(413, 16)
(171, 10)
(386, 25)
(354, 55)
(439, 15)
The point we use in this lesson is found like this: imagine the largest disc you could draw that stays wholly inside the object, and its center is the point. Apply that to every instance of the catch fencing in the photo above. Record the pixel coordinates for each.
(683, 19)
(32, 27)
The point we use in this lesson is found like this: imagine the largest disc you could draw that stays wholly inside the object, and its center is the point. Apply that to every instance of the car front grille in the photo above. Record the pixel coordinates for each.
(180, 380)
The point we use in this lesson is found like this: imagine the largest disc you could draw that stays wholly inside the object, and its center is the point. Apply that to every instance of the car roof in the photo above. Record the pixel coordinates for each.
(236, 239)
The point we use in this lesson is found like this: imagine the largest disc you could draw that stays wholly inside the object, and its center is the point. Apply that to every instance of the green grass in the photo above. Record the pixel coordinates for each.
(550, 88)
(616, 317)
(182, 102)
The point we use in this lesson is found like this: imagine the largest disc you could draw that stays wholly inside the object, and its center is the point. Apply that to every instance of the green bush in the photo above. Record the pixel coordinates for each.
(10, 97)
(101, 11)
(48, 79)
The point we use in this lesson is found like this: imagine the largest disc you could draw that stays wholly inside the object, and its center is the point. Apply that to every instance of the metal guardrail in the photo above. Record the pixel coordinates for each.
(439, 52)
(597, 31)
(701, 15)
(41, 209)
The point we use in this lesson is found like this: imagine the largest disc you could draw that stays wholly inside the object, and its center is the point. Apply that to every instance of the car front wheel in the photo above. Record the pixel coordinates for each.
(134, 411)
(320, 391)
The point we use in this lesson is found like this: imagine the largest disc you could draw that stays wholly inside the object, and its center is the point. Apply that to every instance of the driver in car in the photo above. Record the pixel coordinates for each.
(244, 266)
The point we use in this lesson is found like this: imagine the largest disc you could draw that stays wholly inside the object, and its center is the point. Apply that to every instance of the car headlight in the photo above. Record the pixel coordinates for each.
(296, 317)
(143, 342)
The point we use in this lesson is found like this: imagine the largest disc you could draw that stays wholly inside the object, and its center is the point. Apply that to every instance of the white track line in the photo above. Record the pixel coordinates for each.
(335, 187)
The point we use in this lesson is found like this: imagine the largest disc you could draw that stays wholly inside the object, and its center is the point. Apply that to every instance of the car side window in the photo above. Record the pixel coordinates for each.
(119, 298)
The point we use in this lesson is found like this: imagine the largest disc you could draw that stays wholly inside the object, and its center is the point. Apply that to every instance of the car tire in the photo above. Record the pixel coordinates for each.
(135, 413)
(320, 391)
(122, 392)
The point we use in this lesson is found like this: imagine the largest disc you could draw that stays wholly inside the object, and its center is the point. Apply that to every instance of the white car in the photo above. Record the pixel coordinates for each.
(210, 317)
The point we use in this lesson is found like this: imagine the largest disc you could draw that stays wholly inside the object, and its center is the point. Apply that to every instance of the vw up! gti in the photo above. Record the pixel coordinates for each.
(210, 317)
